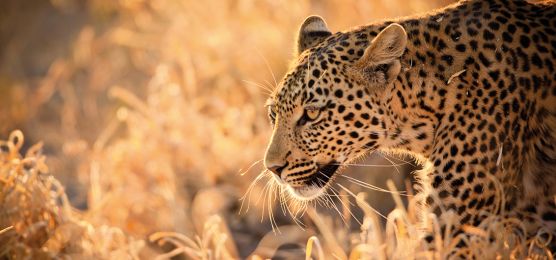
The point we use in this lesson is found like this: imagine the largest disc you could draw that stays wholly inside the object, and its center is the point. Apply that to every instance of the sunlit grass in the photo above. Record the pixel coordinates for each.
(37, 221)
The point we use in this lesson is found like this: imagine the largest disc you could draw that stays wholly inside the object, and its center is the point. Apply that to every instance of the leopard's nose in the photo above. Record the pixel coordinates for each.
(276, 169)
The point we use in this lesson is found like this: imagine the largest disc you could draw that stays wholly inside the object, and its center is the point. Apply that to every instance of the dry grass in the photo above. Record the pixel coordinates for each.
(38, 221)
(151, 114)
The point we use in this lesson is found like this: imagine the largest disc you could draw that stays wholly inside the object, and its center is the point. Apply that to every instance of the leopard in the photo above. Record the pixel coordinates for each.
(468, 91)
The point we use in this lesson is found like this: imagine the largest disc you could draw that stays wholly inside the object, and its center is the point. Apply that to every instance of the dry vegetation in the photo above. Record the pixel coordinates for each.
(150, 127)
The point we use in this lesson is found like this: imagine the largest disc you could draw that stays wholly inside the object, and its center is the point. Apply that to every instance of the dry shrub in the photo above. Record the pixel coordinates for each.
(36, 220)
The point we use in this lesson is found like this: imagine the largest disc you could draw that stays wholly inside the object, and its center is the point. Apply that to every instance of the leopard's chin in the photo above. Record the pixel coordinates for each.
(305, 193)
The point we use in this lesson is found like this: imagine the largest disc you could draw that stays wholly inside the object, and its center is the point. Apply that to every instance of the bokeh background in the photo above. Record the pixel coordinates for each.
(151, 113)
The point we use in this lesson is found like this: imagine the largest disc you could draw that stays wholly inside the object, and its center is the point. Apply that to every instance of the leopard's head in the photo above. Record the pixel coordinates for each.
(327, 110)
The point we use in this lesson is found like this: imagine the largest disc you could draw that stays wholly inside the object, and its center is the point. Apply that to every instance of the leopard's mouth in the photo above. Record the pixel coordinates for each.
(315, 184)
(323, 175)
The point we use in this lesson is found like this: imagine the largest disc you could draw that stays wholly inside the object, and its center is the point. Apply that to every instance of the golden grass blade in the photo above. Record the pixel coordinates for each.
(327, 234)
(309, 251)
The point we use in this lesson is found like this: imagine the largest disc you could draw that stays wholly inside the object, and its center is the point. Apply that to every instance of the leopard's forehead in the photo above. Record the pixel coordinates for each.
(290, 92)
(309, 80)
(319, 71)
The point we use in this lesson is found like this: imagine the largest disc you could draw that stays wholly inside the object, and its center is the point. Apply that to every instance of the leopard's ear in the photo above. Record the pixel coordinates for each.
(312, 32)
(380, 63)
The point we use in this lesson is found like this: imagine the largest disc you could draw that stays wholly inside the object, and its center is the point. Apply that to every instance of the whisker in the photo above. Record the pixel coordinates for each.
(302, 207)
(241, 172)
(341, 196)
(268, 205)
(348, 207)
(372, 187)
(354, 196)
(369, 165)
(393, 164)
(336, 207)
(268, 67)
(298, 205)
(265, 88)
(264, 197)
(271, 209)
(282, 199)
(268, 84)
(338, 196)
(399, 159)
(321, 202)
(325, 199)
(332, 189)
(249, 189)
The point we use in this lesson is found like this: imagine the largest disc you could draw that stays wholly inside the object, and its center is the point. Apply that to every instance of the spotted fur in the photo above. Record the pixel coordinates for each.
(469, 90)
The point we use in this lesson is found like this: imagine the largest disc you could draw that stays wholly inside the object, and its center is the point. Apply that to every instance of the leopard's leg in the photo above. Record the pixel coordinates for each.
(456, 201)
(537, 206)
(537, 209)
(538, 216)
(465, 184)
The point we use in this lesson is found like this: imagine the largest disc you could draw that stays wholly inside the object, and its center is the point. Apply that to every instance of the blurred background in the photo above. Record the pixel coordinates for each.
(151, 111)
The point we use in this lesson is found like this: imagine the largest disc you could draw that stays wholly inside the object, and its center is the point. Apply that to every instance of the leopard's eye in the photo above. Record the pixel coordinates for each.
(312, 114)
(309, 114)
(271, 115)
